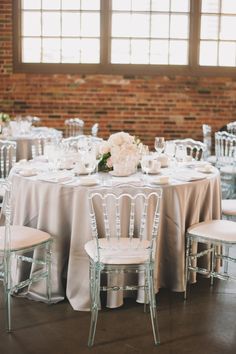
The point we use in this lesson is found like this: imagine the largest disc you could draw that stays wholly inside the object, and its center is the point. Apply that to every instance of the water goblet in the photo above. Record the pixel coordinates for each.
(159, 144)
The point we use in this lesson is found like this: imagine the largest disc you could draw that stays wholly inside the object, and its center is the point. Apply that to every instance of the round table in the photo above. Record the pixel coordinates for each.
(62, 210)
(24, 142)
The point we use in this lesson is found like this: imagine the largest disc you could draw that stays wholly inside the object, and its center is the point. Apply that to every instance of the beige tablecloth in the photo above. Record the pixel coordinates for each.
(62, 210)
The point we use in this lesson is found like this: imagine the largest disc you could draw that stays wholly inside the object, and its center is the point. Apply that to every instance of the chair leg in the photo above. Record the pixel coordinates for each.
(48, 268)
(8, 309)
(152, 301)
(226, 262)
(187, 260)
(145, 293)
(212, 265)
(7, 292)
(95, 302)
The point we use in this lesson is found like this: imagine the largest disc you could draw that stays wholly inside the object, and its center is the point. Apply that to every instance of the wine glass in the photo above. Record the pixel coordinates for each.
(170, 149)
(147, 163)
(159, 144)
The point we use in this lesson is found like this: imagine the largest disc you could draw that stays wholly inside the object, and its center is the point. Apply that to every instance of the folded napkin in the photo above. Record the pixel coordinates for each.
(189, 176)
(128, 180)
(55, 177)
(28, 172)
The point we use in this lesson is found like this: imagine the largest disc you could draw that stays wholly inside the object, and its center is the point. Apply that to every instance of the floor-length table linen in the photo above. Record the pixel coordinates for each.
(62, 210)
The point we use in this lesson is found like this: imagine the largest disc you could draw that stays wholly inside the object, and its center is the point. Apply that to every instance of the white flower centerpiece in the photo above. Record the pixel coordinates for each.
(120, 154)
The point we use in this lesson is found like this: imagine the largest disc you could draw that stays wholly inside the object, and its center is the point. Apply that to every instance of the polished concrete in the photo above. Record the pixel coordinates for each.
(205, 324)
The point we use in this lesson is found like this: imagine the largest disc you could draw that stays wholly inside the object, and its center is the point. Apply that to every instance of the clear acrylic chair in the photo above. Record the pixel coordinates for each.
(194, 148)
(231, 127)
(7, 157)
(206, 131)
(228, 213)
(217, 237)
(74, 127)
(7, 161)
(17, 244)
(225, 148)
(124, 224)
(225, 144)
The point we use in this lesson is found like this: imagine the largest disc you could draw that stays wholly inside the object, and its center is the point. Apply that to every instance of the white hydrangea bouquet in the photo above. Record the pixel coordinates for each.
(120, 148)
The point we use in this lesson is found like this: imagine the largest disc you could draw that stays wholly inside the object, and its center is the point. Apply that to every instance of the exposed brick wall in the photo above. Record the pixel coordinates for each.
(145, 105)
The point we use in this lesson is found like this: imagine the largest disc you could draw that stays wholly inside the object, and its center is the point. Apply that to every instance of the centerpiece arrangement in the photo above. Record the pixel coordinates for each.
(120, 153)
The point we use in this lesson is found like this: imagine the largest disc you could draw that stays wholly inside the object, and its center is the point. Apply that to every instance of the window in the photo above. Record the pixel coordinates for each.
(152, 32)
(218, 33)
(60, 31)
(125, 36)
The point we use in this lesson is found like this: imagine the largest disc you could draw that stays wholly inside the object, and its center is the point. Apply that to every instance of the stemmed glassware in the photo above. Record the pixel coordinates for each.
(159, 144)
(170, 150)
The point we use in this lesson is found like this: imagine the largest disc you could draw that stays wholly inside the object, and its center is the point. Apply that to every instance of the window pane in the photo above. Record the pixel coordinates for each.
(160, 26)
(179, 26)
(208, 53)
(141, 5)
(229, 6)
(139, 25)
(70, 24)
(90, 24)
(70, 50)
(117, 29)
(120, 51)
(160, 5)
(51, 5)
(51, 50)
(31, 5)
(228, 27)
(159, 52)
(90, 4)
(31, 50)
(178, 52)
(70, 5)
(209, 27)
(90, 52)
(180, 5)
(121, 5)
(31, 23)
(139, 51)
(210, 6)
(51, 24)
(227, 54)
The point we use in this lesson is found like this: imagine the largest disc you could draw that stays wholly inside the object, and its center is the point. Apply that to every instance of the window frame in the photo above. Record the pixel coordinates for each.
(104, 67)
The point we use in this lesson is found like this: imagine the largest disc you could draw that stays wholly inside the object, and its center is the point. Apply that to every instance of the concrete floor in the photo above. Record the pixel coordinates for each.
(205, 324)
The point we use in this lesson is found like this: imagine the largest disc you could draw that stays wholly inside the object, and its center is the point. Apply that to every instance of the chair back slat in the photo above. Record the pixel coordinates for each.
(125, 212)
(194, 148)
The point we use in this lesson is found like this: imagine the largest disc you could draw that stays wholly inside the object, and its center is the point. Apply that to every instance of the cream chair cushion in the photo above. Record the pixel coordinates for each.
(23, 237)
(124, 251)
(229, 207)
(215, 230)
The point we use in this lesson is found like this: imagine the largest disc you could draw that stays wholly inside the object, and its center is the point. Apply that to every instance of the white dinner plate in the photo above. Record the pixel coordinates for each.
(160, 181)
(88, 182)
(204, 170)
(115, 175)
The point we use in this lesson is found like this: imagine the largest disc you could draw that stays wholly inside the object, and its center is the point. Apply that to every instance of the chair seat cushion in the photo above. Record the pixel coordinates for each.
(215, 230)
(122, 251)
(229, 207)
(23, 237)
(228, 169)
